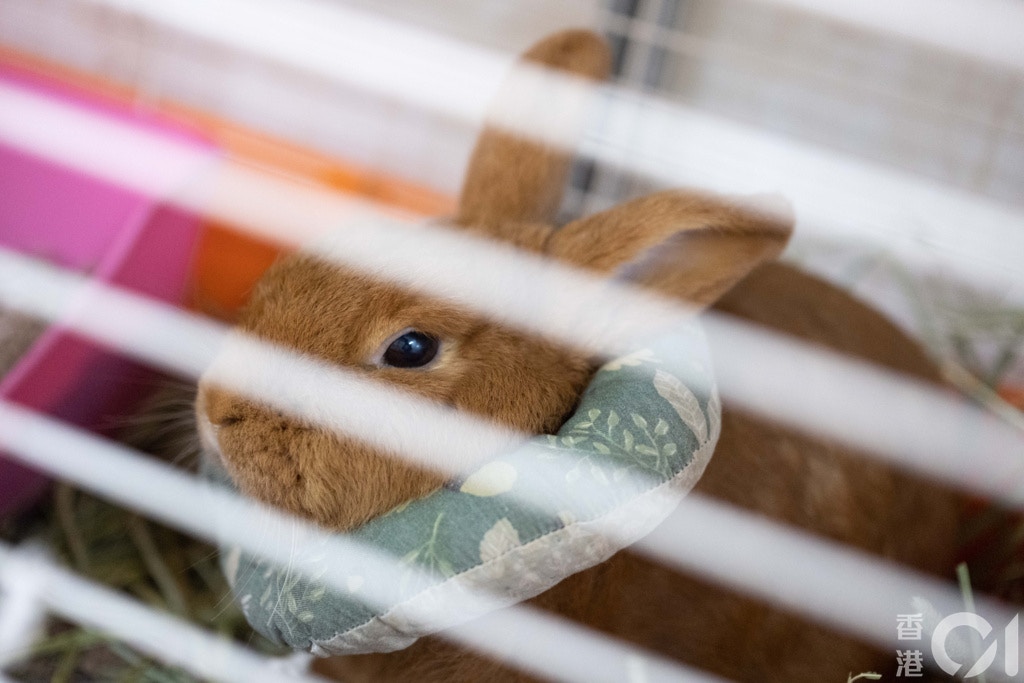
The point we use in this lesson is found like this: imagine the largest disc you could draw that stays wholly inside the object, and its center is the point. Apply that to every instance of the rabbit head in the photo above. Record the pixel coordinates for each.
(686, 244)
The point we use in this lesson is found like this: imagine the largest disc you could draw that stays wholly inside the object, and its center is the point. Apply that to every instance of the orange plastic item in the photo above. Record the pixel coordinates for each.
(1013, 395)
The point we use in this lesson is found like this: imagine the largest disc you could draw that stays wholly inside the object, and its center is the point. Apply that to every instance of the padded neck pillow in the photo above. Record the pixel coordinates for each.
(639, 440)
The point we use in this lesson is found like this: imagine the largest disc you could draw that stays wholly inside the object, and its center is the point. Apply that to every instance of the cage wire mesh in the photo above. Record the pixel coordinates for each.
(868, 121)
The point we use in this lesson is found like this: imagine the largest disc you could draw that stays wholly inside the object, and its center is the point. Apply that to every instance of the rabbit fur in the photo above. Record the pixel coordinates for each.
(691, 245)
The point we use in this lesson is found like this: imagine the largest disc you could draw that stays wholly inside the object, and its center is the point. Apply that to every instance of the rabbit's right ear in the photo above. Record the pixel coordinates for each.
(688, 245)
(513, 179)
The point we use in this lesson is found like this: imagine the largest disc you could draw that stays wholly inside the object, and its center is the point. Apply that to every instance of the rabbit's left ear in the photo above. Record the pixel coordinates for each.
(685, 244)
(513, 179)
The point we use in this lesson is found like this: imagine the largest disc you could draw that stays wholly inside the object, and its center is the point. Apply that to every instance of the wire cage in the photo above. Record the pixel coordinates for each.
(157, 158)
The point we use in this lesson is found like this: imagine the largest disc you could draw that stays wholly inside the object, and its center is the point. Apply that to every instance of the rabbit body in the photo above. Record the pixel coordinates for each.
(685, 244)
(814, 484)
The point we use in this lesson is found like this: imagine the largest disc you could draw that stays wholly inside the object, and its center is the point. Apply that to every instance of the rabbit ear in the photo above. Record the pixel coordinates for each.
(514, 179)
(684, 244)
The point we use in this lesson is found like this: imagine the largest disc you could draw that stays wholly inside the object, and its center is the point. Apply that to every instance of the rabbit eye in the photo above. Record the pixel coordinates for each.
(413, 349)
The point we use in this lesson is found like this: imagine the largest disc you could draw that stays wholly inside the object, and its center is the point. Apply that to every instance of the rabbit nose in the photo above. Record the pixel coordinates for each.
(222, 408)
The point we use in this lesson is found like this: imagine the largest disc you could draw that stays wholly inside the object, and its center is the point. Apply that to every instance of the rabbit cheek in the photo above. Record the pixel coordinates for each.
(337, 482)
(260, 460)
(522, 382)
(353, 483)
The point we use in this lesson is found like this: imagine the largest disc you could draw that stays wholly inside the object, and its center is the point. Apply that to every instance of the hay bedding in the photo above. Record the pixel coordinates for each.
(117, 548)
(151, 563)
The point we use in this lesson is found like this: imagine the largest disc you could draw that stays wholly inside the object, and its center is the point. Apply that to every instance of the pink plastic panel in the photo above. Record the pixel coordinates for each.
(78, 222)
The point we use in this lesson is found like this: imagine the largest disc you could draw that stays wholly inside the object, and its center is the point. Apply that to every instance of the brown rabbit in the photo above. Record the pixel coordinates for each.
(686, 244)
